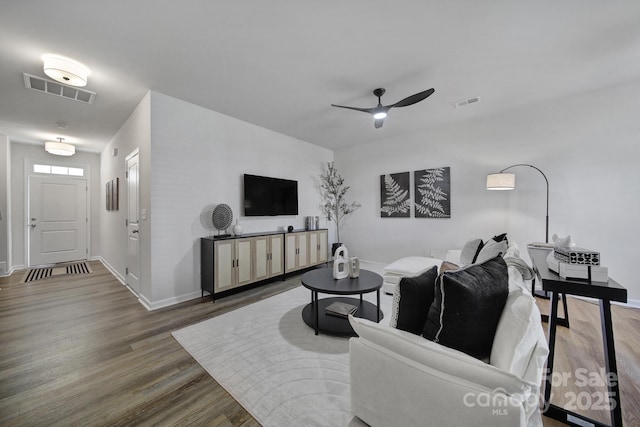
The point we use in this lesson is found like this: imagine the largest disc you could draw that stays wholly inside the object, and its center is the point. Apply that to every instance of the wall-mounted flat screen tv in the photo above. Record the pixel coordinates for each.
(264, 196)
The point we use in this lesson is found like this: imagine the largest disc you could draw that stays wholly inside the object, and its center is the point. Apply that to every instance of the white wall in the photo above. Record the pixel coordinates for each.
(5, 194)
(587, 146)
(196, 159)
(19, 154)
(134, 134)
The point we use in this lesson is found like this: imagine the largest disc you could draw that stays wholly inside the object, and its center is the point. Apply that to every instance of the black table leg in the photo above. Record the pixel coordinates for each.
(553, 318)
(378, 305)
(610, 362)
(314, 295)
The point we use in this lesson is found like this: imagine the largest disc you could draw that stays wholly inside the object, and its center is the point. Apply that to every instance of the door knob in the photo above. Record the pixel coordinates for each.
(134, 231)
(33, 225)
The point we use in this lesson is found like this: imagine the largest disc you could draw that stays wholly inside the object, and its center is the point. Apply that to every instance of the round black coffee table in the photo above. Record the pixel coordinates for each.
(321, 280)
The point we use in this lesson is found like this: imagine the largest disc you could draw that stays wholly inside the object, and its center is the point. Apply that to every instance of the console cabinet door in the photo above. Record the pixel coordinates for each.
(303, 249)
(322, 246)
(276, 246)
(291, 257)
(261, 258)
(224, 255)
(313, 247)
(244, 269)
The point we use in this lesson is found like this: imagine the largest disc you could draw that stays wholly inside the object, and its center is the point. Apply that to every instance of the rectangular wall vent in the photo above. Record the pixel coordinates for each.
(58, 89)
(467, 101)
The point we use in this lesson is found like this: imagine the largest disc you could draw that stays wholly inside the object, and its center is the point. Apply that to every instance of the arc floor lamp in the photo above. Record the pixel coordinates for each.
(507, 181)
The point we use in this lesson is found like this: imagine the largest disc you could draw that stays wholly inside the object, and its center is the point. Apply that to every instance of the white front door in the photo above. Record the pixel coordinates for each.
(133, 223)
(57, 219)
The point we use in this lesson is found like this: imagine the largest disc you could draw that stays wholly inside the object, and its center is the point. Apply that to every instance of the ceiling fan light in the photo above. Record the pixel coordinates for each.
(380, 115)
(65, 70)
(59, 148)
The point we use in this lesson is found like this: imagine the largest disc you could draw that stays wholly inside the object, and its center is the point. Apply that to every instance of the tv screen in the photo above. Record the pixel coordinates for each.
(264, 196)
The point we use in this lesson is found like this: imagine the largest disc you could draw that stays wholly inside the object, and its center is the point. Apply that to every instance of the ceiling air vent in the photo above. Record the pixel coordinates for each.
(467, 101)
(58, 89)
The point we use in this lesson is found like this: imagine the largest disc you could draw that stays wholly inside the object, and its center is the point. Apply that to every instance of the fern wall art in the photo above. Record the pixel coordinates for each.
(432, 193)
(394, 195)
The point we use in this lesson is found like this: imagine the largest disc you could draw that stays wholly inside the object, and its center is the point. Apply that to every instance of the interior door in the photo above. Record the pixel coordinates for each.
(132, 276)
(57, 219)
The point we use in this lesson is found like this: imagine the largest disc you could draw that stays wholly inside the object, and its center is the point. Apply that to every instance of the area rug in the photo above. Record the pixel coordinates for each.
(271, 362)
(42, 273)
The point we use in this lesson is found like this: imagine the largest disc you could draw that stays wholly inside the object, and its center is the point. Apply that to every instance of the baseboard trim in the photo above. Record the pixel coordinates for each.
(171, 301)
(631, 303)
(112, 270)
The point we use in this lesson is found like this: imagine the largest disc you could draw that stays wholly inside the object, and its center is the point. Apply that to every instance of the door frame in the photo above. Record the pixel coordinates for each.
(138, 293)
(28, 171)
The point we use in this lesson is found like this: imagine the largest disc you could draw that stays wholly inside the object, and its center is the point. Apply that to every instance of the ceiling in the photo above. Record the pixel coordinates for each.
(280, 64)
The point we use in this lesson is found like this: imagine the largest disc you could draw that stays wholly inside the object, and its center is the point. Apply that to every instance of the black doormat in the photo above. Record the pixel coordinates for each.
(34, 274)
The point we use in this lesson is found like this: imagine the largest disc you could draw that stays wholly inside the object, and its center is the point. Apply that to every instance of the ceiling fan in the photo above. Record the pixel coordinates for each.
(380, 112)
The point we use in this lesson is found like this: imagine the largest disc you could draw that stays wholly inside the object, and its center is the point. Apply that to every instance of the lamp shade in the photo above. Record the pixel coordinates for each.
(501, 181)
(65, 70)
(59, 148)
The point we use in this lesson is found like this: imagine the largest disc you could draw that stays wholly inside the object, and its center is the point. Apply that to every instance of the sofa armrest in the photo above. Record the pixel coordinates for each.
(388, 388)
(440, 358)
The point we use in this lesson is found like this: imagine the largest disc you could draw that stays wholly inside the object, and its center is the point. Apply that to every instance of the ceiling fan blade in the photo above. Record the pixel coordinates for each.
(364, 110)
(378, 123)
(410, 100)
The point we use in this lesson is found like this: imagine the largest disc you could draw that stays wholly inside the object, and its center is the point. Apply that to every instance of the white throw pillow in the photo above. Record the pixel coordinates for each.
(517, 333)
(470, 250)
(491, 249)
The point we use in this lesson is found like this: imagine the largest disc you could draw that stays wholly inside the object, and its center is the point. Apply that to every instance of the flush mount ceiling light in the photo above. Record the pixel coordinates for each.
(65, 70)
(59, 148)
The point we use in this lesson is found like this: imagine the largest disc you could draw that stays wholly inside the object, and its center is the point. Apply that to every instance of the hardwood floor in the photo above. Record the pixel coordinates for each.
(81, 350)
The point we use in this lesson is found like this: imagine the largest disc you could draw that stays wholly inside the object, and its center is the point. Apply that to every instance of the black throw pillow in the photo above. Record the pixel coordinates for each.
(467, 306)
(411, 301)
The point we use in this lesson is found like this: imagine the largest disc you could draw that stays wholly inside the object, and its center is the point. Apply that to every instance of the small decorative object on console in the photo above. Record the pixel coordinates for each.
(341, 263)
(221, 218)
(237, 229)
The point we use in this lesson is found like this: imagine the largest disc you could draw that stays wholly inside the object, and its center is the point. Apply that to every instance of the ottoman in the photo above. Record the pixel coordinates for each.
(405, 267)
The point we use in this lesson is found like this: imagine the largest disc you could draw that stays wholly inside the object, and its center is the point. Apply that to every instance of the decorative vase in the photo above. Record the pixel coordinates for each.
(334, 248)
(341, 263)
(237, 229)
(354, 267)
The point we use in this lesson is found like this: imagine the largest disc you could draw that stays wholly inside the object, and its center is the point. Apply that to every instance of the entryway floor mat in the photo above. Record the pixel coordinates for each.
(34, 274)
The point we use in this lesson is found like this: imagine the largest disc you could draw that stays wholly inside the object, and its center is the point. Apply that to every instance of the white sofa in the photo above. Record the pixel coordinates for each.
(402, 379)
